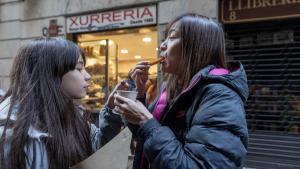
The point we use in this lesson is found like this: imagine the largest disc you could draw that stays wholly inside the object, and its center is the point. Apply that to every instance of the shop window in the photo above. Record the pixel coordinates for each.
(110, 56)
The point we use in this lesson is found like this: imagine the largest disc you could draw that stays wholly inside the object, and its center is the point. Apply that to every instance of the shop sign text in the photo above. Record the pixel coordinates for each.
(233, 11)
(112, 19)
(53, 29)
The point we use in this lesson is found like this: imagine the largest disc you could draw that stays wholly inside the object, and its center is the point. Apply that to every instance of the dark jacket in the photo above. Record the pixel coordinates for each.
(211, 134)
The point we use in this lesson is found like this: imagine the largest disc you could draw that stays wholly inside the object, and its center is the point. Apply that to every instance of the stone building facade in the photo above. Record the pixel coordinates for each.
(23, 20)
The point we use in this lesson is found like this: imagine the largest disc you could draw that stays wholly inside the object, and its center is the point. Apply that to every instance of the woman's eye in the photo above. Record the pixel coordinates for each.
(173, 36)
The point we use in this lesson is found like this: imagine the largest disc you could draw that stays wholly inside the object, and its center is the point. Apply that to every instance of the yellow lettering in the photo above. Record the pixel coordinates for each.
(291, 1)
(239, 5)
(232, 15)
(243, 5)
(230, 6)
(257, 3)
(274, 3)
(266, 3)
(233, 5)
(287, 2)
(249, 4)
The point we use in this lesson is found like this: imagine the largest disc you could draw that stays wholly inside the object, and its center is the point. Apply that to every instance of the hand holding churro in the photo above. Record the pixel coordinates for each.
(157, 61)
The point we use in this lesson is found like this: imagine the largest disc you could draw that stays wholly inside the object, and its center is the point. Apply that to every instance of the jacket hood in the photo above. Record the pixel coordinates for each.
(236, 79)
(4, 109)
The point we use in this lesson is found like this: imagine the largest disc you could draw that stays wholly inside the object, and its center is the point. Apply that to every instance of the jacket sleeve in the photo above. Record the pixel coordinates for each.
(133, 127)
(217, 138)
(110, 124)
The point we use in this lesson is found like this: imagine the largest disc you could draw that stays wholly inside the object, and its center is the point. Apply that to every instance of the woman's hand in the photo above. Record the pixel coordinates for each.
(140, 74)
(110, 101)
(133, 111)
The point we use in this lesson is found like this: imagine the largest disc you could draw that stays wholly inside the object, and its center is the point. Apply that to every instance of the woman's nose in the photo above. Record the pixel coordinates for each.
(87, 76)
(163, 46)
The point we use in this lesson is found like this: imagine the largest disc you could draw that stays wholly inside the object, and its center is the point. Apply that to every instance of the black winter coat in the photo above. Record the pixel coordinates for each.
(212, 133)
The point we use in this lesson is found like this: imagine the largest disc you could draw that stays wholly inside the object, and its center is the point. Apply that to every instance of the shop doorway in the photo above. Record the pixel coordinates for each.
(110, 56)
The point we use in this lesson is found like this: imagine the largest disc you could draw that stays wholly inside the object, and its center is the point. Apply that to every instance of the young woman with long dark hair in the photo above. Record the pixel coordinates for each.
(40, 125)
(198, 121)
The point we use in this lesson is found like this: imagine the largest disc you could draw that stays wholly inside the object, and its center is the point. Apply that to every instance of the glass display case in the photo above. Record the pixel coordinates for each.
(101, 63)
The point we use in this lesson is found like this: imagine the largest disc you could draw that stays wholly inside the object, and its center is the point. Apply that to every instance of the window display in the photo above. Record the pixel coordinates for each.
(110, 56)
(102, 74)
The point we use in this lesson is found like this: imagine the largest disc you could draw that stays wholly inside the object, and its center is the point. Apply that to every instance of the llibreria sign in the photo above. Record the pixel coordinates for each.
(235, 11)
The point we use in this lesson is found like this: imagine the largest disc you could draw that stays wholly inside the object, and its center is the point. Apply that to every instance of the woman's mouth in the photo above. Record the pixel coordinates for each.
(164, 60)
(86, 87)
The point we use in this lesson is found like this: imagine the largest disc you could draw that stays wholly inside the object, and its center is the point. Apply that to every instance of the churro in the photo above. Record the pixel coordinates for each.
(157, 61)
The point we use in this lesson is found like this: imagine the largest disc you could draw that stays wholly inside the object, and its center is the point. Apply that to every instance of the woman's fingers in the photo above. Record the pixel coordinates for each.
(130, 118)
(123, 85)
(141, 67)
(119, 86)
(122, 102)
(121, 98)
(142, 63)
(110, 100)
(133, 111)
(144, 66)
(139, 72)
(117, 101)
(128, 104)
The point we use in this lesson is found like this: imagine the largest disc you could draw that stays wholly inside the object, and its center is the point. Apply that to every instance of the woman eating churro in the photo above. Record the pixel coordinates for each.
(200, 105)
(157, 61)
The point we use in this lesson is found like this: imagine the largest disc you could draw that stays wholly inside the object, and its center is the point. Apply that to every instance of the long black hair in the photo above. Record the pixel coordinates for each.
(202, 44)
(36, 91)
